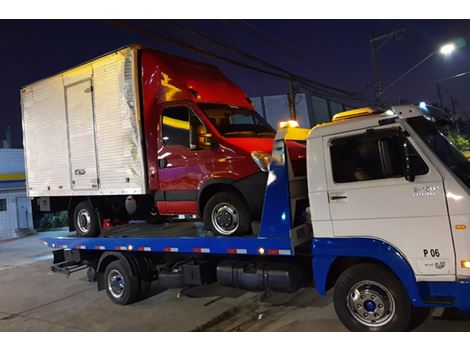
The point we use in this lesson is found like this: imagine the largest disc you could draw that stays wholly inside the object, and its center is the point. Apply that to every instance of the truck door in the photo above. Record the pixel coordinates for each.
(182, 163)
(370, 197)
(81, 135)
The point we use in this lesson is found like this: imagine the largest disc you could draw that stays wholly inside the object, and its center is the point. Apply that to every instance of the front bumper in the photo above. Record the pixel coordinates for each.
(455, 294)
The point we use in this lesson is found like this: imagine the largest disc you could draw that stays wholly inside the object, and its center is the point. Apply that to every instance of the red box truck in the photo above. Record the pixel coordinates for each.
(139, 133)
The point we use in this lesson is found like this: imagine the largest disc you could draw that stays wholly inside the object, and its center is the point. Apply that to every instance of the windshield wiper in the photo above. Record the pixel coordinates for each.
(240, 132)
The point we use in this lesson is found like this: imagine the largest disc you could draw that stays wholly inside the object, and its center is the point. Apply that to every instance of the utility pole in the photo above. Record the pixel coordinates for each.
(379, 98)
(291, 99)
(455, 117)
(6, 140)
(439, 95)
(377, 43)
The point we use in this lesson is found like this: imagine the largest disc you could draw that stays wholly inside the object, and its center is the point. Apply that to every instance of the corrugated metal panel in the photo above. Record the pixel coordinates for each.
(81, 135)
(116, 129)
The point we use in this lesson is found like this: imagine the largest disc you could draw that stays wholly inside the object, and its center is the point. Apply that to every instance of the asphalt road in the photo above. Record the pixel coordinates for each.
(34, 299)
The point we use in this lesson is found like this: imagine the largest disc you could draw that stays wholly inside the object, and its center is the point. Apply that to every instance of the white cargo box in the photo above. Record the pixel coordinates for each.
(82, 133)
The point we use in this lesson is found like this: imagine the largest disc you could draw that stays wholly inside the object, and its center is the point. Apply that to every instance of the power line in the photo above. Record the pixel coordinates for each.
(450, 77)
(266, 37)
(145, 31)
(319, 88)
(316, 87)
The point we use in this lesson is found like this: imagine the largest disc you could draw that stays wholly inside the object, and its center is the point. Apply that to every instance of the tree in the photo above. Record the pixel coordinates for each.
(460, 142)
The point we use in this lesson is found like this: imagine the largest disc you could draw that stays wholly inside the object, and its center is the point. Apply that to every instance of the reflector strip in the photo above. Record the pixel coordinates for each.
(201, 250)
(44, 243)
(100, 247)
(80, 247)
(144, 249)
(279, 251)
(237, 251)
(172, 249)
(120, 248)
(64, 246)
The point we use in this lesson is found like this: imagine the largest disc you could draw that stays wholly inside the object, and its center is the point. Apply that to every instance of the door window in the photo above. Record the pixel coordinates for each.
(175, 126)
(372, 156)
(182, 127)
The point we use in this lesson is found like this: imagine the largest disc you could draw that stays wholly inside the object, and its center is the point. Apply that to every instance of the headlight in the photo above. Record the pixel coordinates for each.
(262, 159)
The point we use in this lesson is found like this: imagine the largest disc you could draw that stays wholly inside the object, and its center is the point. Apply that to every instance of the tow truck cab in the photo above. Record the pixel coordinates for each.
(389, 187)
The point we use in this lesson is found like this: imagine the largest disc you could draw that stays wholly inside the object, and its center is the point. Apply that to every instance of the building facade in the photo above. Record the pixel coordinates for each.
(310, 109)
(15, 207)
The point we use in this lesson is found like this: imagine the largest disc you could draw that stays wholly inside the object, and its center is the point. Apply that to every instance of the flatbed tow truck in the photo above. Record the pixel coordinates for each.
(381, 213)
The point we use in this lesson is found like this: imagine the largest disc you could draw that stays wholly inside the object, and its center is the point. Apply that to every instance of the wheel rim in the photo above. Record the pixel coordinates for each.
(84, 220)
(225, 218)
(371, 303)
(115, 283)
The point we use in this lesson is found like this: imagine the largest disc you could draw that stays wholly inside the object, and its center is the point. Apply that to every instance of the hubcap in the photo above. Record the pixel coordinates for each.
(84, 220)
(371, 303)
(225, 218)
(116, 283)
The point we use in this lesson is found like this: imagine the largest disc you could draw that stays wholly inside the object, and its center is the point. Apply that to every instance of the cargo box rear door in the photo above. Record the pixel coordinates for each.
(81, 135)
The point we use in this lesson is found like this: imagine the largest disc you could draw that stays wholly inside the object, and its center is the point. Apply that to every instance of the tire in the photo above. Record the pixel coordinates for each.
(227, 214)
(122, 286)
(86, 220)
(418, 317)
(168, 279)
(145, 289)
(368, 297)
(91, 274)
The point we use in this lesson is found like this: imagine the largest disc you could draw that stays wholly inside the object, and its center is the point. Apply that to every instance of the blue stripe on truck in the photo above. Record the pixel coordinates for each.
(455, 294)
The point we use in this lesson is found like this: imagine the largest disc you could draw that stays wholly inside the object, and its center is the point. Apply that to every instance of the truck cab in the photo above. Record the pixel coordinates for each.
(208, 150)
(390, 187)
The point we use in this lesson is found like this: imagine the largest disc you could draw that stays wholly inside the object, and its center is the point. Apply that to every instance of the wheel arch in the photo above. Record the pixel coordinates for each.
(212, 187)
(109, 257)
(331, 256)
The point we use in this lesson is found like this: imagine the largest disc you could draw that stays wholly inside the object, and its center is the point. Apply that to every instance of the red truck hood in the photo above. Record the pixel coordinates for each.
(251, 144)
(297, 151)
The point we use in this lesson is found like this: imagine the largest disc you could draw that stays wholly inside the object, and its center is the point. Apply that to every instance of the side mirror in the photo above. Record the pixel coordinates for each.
(410, 170)
(201, 140)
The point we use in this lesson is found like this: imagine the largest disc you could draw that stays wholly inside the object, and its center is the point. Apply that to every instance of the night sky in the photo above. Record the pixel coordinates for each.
(334, 52)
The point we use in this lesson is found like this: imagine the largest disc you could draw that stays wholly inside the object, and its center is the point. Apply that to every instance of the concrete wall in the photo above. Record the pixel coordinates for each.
(11, 161)
(9, 221)
(17, 218)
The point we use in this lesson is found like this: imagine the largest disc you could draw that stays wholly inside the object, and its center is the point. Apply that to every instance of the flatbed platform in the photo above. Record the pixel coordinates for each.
(179, 237)
(170, 230)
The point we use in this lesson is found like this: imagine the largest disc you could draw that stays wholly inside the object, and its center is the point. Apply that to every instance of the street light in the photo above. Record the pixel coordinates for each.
(445, 50)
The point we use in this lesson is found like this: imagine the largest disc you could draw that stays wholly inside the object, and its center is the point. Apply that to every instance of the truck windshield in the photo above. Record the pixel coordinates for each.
(236, 122)
(442, 147)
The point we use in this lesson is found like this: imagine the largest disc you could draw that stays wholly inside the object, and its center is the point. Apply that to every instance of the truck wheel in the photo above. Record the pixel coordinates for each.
(86, 220)
(122, 286)
(226, 214)
(368, 297)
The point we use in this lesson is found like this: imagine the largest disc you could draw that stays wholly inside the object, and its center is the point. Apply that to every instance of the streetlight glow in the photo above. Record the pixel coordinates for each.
(447, 49)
